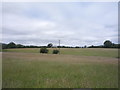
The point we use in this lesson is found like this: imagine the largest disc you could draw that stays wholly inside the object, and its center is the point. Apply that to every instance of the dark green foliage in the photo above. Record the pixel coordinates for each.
(44, 50)
(85, 46)
(107, 44)
(11, 45)
(65, 47)
(55, 51)
(77, 47)
(115, 45)
(50, 45)
(19, 46)
(4, 46)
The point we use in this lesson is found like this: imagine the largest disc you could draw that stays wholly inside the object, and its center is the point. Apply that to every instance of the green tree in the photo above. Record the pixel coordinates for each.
(11, 45)
(107, 44)
(19, 46)
(4, 46)
(50, 45)
(85, 46)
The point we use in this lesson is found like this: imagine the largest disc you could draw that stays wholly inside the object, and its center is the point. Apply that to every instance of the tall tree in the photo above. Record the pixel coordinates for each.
(11, 45)
(107, 44)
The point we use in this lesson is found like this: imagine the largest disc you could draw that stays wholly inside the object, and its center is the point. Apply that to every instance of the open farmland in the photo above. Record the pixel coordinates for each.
(73, 68)
(73, 51)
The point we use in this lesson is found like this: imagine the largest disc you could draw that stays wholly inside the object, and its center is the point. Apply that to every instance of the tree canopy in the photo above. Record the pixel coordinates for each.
(50, 45)
(107, 44)
(11, 45)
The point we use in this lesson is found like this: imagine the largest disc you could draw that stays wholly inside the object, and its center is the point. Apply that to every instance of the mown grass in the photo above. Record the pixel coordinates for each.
(104, 52)
(34, 70)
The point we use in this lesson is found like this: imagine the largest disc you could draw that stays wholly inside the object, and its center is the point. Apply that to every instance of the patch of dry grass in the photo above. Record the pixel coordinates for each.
(60, 58)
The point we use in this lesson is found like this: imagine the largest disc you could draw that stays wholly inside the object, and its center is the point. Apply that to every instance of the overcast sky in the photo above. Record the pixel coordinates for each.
(74, 23)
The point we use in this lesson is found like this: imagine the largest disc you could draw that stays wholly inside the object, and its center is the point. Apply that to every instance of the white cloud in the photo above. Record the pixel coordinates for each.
(74, 23)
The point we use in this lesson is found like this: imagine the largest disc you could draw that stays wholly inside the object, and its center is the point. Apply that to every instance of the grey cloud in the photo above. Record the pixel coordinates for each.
(7, 31)
(111, 26)
(74, 24)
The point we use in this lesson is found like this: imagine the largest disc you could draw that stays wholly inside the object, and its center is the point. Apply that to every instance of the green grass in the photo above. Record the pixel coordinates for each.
(73, 51)
(72, 70)
(52, 75)
(25, 50)
(0, 70)
(91, 52)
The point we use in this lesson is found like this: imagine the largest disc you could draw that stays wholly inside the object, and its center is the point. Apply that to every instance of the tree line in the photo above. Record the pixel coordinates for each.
(106, 44)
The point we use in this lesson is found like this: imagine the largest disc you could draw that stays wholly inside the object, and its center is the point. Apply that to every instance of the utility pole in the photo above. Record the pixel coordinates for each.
(59, 46)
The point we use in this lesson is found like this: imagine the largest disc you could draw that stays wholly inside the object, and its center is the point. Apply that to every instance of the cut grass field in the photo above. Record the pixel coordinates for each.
(104, 52)
(73, 68)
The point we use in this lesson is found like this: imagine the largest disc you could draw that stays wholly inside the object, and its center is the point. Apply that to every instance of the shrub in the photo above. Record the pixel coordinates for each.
(43, 50)
(55, 51)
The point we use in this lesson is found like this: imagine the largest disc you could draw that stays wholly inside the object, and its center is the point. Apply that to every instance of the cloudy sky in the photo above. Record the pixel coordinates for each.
(74, 23)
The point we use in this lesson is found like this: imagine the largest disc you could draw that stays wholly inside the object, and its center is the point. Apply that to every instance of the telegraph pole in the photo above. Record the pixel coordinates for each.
(59, 46)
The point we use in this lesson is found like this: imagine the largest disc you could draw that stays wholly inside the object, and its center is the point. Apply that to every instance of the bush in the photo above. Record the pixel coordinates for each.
(55, 51)
(43, 50)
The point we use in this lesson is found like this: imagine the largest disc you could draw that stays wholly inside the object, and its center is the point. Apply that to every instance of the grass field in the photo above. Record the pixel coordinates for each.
(73, 68)
(73, 51)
